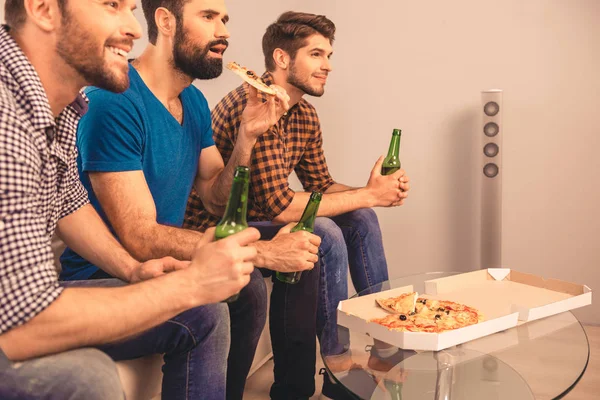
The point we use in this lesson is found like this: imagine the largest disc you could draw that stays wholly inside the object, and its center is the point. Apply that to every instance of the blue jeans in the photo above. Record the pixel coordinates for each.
(76, 375)
(195, 344)
(352, 239)
(247, 317)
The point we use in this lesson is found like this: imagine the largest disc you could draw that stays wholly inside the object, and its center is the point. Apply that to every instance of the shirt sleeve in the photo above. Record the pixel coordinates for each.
(75, 196)
(269, 192)
(312, 170)
(28, 279)
(110, 135)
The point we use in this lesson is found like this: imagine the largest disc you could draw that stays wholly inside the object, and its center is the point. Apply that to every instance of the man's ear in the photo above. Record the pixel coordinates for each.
(44, 14)
(165, 22)
(281, 58)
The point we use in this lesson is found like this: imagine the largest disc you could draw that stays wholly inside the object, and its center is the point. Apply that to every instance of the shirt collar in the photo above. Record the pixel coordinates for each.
(27, 79)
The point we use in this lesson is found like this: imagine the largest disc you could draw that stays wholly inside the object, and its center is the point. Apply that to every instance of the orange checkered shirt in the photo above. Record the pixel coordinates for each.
(295, 143)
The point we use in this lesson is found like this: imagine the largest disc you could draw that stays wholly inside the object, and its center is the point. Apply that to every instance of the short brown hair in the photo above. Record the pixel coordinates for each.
(290, 32)
(15, 14)
(150, 6)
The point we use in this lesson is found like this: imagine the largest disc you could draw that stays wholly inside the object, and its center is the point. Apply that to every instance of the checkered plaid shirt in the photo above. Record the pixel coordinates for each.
(39, 184)
(295, 143)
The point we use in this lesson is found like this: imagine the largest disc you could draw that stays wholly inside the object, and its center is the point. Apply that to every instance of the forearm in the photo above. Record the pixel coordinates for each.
(332, 204)
(339, 187)
(216, 197)
(117, 314)
(152, 240)
(86, 234)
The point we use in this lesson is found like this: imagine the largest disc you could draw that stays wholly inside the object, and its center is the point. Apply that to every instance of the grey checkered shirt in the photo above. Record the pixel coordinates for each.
(39, 185)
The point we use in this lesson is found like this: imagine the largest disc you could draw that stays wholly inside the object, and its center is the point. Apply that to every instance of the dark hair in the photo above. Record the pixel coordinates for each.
(290, 32)
(150, 6)
(15, 14)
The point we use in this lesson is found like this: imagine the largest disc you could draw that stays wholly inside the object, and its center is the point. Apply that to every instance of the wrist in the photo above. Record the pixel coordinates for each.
(262, 249)
(132, 267)
(245, 138)
(368, 199)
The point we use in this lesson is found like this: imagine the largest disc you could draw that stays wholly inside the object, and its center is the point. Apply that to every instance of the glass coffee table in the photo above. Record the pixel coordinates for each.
(542, 359)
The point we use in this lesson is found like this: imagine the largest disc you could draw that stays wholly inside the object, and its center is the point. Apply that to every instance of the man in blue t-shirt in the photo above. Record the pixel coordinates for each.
(141, 153)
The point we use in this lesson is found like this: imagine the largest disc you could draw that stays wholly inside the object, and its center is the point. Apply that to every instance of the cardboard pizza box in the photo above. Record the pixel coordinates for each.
(506, 298)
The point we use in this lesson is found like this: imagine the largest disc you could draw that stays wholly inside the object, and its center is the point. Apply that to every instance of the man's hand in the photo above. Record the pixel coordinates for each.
(387, 190)
(221, 269)
(259, 116)
(289, 252)
(154, 268)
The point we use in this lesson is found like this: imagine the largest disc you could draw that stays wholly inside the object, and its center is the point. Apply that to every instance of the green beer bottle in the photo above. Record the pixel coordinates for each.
(394, 389)
(234, 219)
(391, 163)
(306, 223)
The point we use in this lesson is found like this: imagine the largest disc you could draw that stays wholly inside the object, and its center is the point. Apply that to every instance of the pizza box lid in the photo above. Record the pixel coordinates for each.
(506, 298)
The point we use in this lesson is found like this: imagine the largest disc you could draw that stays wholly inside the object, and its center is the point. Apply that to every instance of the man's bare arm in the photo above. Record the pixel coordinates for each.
(85, 233)
(213, 179)
(127, 202)
(380, 191)
(112, 314)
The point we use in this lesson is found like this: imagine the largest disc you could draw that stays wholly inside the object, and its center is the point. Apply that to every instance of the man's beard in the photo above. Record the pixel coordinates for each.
(192, 60)
(76, 46)
(294, 79)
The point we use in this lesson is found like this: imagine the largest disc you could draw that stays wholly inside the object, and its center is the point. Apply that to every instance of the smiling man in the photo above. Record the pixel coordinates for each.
(297, 50)
(51, 334)
(142, 151)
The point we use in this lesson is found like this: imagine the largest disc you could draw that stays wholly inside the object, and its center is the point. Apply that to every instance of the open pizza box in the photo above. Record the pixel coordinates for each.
(505, 297)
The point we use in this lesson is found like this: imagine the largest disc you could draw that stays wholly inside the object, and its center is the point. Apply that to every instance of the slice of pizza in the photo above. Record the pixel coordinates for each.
(250, 77)
(403, 304)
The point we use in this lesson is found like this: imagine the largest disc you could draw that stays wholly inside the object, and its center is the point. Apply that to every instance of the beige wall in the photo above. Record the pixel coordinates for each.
(421, 67)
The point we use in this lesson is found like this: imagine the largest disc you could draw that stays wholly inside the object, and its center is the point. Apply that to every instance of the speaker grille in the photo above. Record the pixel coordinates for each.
(491, 150)
(490, 170)
(491, 108)
(491, 129)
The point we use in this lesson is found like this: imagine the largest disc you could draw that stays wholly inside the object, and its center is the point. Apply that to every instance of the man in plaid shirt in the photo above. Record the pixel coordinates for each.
(50, 333)
(297, 48)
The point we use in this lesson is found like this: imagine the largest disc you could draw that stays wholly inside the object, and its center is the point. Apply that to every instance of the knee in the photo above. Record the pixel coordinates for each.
(214, 320)
(330, 233)
(205, 324)
(364, 219)
(82, 374)
(102, 379)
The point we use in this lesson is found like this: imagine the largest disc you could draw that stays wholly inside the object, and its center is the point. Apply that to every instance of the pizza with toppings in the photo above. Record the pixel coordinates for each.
(411, 313)
(250, 77)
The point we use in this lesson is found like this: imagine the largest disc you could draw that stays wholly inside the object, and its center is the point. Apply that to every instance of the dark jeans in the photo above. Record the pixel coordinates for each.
(292, 322)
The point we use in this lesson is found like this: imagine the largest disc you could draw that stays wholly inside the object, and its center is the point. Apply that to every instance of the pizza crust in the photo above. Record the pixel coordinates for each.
(403, 304)
(250, 77)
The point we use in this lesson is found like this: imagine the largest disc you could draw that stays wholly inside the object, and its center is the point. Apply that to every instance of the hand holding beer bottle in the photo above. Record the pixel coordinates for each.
(234, 219)
(306, 223)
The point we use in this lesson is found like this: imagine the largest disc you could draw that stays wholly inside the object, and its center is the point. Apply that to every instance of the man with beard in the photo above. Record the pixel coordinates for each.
(48, 331)
(297, 50)
(142, 151)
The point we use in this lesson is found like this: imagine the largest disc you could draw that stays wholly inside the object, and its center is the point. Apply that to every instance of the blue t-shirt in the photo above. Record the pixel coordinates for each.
(133, 131)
